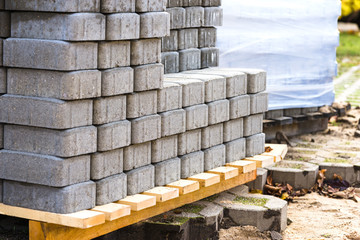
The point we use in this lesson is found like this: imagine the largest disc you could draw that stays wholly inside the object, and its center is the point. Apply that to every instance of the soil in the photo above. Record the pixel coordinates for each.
(314, 216)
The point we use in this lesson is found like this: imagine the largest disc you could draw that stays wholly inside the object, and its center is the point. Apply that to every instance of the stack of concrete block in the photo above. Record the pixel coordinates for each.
(224, 113)
(81, 105)
(89, 116)
(192, 39)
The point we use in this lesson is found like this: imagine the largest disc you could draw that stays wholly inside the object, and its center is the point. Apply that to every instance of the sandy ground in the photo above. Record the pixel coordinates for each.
(314, 216)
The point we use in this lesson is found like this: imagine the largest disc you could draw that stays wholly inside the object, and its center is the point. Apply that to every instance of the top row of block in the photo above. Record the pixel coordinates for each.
(104, 6)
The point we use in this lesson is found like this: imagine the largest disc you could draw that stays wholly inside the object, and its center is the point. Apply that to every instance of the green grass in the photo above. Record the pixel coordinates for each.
(192, 208)
(251, 201)
(290, 165)
(337, 160)
(348, 52)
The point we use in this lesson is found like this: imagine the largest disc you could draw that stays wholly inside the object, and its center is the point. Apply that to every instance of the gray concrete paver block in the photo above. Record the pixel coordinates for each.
(167, 171)
(44, 169)
(117, 81)
(209, 57)
(214, 157)
(193, 90)
(239, 106)
(192, 164)
(173, 122)
(154, 24)
(207, 37)
(188, 38)
(114, 54)
(111, 189)
(122, 26)
(211, 3)
(105, 164)
(235, 150)
(189, 141)
(141, 104)
(3, 80)
(348, 172)
(137, 155)
(114, 135)
(258, 102)
(255, 144)
(109, 109)
(54, 5)
(62, 143)
(116, 6)
(189, 59)
(219, 111)
(68, 199)
(212, 135)
(177, 17)
(58, 26)
(213, 16)
(150, 5)
(197, 116)
(148, 77)
(170, 43)
(194, 17)
(260, 181)
(169, 97)
(145, 128)
(54, 84)
(45, 112)
(50, 54)
(140, 179)
(145, 51)
(164, 148)
(253, 124)
(170, 60)
(5, 25)
(233, 129)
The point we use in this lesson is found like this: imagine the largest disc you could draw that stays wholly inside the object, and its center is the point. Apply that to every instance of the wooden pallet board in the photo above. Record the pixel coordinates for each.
(225, 172)
(261, 160)
(47, 231)
(82, 219)
(113, 211)
(243, 166)
(206, 179)
(278, 151)
(139, 202)
(185, 186)
(163, 194)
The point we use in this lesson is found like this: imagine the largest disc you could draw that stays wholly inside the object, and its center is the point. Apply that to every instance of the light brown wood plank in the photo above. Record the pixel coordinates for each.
(261, 160)
(243, 165)
(225, 172)
(163, 194)
(185, 186)
(206, 179)
(138, 202)
(113, 211)
(54, 232)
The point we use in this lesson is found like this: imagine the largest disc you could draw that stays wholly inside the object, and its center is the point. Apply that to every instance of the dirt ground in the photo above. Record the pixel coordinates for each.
(314, 216)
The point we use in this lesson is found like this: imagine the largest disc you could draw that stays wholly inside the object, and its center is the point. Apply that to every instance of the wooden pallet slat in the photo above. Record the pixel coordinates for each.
(278, 151)
(243, 165)
(206, 179)
(81, 219)
(261, 160)
(113, 211)
(138, 202)
(163, 194)
(185, 186)
(49, 231)
(225, 172)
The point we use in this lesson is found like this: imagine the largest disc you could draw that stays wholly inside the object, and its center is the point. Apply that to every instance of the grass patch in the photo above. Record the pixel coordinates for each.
(349, 45)
(192, 208)
(170, 220)
(212, 198)
(251, 201)
(345, 155)
(290, 165)
(309, 152)
(337, 160)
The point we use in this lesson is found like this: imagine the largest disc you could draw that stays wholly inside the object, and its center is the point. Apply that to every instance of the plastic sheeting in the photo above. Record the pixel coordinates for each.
(294, 41)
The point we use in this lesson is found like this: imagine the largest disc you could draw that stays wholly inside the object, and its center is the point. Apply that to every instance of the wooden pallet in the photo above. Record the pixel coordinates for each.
(104, 219)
